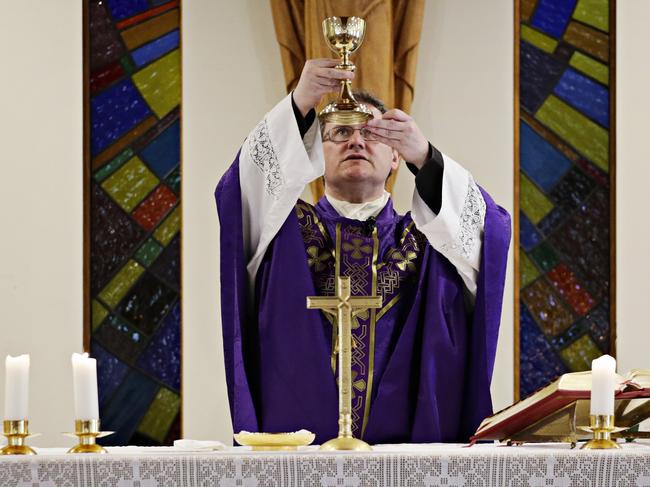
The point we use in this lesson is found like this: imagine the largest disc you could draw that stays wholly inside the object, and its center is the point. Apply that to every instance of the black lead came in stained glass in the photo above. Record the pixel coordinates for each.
(572, 190)
(168, 265)
(147, 303)
(120, 339)
(161, 359)
(114, 236)
(538, 74)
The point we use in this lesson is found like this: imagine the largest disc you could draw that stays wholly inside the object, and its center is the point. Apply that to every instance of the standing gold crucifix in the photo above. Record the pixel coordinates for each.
(342, 306)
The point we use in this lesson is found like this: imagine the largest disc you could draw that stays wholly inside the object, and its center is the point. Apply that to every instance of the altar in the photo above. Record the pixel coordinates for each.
(482, 465)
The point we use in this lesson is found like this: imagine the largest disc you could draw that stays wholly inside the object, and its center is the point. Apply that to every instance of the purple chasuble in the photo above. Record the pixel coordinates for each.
(421, 364)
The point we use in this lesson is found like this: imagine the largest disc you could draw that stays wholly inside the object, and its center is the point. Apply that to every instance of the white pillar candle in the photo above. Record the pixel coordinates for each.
(603, 385)
(84, 379)
(16, 387)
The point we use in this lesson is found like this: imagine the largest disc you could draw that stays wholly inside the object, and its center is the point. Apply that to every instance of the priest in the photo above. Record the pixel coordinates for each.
(422, 363)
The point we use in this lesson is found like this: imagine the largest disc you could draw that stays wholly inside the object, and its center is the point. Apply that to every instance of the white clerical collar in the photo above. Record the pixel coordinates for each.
(359, 211)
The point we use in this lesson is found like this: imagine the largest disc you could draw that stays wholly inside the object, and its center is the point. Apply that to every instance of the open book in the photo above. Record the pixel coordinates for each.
(553, 397)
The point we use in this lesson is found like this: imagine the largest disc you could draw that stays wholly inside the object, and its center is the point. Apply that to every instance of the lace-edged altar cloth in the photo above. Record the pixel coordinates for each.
(388, 465)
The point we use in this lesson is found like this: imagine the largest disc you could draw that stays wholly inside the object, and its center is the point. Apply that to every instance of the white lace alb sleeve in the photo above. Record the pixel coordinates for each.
(457, 230)
(275, 165)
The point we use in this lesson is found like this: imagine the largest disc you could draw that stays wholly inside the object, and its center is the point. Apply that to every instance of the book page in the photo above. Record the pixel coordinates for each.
(640, 377)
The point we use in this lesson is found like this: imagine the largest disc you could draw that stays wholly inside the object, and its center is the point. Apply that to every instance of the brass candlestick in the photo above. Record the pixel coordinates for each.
(16, 431)
(344, 35)
(342, 305)
(88, 431)
(602, 427)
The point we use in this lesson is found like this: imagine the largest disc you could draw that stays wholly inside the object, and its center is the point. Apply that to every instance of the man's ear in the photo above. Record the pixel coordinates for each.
(394, 163)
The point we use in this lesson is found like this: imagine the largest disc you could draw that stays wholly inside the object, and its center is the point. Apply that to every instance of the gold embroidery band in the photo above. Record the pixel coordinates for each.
(335, 338)
(302, 207)
(337, 273)
(373, 322)
(398, 296)
(407, 230)
(388, 306)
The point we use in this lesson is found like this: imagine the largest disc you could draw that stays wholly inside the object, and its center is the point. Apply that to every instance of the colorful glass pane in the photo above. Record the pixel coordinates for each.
(114, 112)
(552, 16)
(589, 97)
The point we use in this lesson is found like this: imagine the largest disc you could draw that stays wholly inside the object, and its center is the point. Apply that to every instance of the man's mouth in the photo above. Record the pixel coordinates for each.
(356, 157)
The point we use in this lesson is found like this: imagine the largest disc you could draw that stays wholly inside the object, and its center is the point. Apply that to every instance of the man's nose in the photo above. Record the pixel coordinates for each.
(356, 140)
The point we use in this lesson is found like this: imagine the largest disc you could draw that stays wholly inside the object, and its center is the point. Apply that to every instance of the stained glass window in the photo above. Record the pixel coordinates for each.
(565, 174)
(132, 187)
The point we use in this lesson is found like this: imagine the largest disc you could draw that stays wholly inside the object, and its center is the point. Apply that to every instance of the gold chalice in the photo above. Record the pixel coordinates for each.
(344, 35)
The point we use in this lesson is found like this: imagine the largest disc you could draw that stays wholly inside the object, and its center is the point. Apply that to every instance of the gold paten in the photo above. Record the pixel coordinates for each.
(275, 441)
(602, 427)
(342, 306)
(16, 431)
(88, 431)
(344, 35)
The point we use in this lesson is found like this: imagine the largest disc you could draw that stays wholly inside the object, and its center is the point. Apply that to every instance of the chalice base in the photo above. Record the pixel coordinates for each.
(345, 113)
(343, 443)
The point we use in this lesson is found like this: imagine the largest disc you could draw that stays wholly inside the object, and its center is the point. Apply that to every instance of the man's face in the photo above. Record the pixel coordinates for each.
(358, 160)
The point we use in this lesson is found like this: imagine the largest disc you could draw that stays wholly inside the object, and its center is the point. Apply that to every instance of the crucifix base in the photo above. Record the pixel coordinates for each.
(343, 443)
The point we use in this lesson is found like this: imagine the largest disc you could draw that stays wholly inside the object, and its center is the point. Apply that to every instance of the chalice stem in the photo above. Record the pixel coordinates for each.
(345, 95)
(346, 59)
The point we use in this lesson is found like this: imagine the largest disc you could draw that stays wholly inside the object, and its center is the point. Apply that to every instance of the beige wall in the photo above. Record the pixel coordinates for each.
(633, 174)
(41, 203)
(232, 75)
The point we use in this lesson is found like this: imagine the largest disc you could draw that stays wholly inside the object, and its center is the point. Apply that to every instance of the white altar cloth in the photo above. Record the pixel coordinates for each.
(388, 465)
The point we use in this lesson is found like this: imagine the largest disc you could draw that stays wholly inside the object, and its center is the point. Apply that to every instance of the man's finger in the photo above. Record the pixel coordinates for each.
(386, 140)
(326, 62)
(396, 114)
(382, 123)
(333, 73)
(386, 133)
(327, 85)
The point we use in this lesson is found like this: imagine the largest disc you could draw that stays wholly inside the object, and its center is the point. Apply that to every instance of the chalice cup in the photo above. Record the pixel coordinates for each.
(344, 35)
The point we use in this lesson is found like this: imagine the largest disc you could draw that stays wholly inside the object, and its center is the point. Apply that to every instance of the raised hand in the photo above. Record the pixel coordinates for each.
(399, 131)
(319, 77)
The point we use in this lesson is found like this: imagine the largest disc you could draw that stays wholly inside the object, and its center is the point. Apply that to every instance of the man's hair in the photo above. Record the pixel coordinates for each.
(364, 96)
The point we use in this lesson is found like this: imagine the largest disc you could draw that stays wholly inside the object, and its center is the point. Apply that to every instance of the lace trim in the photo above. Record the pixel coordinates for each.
(264, 157)
(471, 221)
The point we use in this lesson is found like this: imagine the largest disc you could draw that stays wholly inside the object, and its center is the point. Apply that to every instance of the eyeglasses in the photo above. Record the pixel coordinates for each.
(342, 133)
